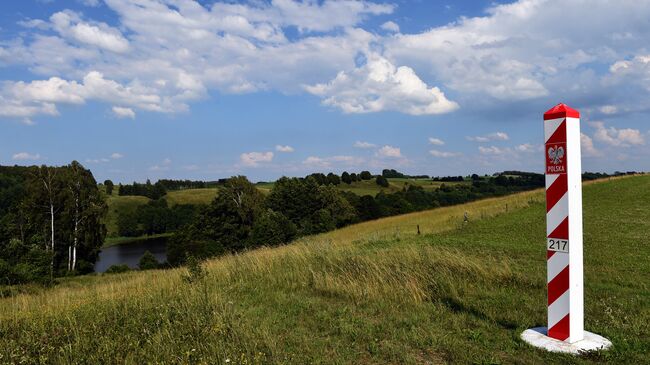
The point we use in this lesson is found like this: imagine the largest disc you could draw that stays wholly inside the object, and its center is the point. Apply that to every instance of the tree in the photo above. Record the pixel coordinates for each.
(346, 178)
(148, 261)
(109, 187)
(382, 181)
(333, 179)
(354, 177)
(272, 228)
(365, 175)
(224, 225)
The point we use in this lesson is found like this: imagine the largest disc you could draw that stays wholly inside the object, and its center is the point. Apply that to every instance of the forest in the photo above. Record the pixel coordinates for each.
(50, 222)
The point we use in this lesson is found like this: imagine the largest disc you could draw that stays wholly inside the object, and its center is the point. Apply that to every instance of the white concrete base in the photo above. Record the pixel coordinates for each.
(537, 337)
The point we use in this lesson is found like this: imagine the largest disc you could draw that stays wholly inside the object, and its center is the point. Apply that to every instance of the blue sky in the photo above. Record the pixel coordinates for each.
(203, 90)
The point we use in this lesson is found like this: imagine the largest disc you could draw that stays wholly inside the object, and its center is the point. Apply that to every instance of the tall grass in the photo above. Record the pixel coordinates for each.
(460, 292)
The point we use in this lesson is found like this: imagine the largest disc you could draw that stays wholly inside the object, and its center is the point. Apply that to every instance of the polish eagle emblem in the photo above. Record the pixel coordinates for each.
(556, 154)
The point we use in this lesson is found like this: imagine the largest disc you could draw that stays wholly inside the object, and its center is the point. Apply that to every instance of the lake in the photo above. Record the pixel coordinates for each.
(130, 253)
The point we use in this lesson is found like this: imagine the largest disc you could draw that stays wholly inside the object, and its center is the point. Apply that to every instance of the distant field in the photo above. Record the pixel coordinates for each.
(370, 293)
(118, 204)
(191, 196)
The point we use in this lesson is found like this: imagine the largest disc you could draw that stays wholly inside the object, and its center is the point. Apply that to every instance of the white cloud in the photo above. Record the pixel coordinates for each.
(123, 112)
(116, 156)
(587, 146)
(389, 151)
(436, 141)
(492, 150)
(390, 26)
(253, 159)
(380, 86)
(443, 154)
(496, 136)
(191, 167)
(327, 162)
(178, 51)
(39, 97)
(364, 145)
(525, 147)
(286, 149)
(69, 25)
(25, 156)
(608, 109)
(617, 137)
(158, 168)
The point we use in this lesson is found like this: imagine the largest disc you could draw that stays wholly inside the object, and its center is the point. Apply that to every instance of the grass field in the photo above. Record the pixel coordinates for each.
(191, 196)
(371, 293)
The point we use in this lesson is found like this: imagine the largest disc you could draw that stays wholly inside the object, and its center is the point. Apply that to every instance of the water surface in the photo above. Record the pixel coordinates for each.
(130, 253)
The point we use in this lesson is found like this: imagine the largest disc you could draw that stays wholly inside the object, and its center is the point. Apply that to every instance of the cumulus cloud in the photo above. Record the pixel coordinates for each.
(443, 154)
(617, 137)
(496, 136)
(39, 97)
(253, 159)
(364, 145)
(327, 162)
(70, 26)
(587, 146)
(493, 150)
(116, 156)
(123, 112)
(436, 141)
(180, 50)
(525, 147)
(380, 86)
(285, 149)
(26, 156)
(389, 151)
(390, 26)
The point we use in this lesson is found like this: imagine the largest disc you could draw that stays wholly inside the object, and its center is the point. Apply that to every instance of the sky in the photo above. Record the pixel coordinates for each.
(184, 89)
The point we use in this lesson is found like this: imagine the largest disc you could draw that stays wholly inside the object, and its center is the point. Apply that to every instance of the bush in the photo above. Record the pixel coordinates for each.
(272, 228)
(117, 269)
(148, 261)
(382, 181)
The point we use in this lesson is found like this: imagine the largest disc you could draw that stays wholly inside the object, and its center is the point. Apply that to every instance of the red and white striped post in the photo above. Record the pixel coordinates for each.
(564, 223)
(565, 331)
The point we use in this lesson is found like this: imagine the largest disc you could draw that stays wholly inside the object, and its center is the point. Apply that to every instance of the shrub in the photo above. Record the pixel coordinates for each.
(272, 228)
(117, 269)
(148, 261)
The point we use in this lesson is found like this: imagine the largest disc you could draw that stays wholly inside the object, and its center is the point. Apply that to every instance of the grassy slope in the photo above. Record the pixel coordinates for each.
(463, 294)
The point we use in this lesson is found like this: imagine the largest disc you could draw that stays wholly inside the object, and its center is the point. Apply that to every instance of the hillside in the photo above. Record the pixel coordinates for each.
(117, 204)
(370, 293)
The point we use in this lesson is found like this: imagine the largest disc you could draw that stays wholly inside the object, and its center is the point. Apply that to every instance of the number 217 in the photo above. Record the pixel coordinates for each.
(558, 245)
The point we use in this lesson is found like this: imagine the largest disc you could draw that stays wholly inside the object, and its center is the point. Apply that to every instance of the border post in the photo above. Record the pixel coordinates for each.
(564, 261)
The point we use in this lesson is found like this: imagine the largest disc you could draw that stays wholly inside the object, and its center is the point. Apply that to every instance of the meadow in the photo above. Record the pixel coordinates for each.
(371, 293)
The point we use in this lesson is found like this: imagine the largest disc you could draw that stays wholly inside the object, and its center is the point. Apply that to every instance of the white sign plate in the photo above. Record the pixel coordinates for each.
(556, 244)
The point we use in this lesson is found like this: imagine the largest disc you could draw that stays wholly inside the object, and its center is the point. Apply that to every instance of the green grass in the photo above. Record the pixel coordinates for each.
(114, 241)
(191, 196)
(120, 204)
(371, 293)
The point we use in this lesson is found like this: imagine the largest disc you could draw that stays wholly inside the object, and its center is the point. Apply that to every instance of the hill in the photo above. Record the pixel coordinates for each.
(370, 293)
(118, 204)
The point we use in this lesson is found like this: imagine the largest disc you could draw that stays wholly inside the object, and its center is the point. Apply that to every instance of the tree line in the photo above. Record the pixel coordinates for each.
(241, 217)
(50, 222)
(155, 217)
